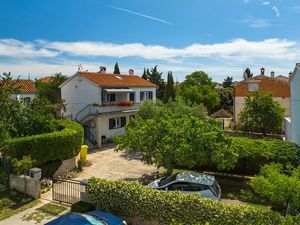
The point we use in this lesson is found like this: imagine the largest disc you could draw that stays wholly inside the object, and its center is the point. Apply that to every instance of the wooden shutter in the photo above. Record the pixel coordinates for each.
(123, 121)
(141, 95)
(150, 95)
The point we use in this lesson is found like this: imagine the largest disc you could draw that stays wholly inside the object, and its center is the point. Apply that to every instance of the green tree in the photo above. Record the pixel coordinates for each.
(281, 188)
(247, 74)
(117, 69)
(170, 89)
(144, 76)
(167, 139)
(52, 92)
(226, 97)
(198, 88)
(155, 77)
(261, 114)
(227, 82)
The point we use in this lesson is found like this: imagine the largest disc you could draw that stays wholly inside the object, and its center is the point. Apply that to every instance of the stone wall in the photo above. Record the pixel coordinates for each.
(26, 184)
(67, 165)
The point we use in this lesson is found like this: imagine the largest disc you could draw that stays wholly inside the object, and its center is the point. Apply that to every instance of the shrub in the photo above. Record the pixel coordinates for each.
(255, 153)
(82, 207)
(23, 165)
(130, 199)
(58, 145)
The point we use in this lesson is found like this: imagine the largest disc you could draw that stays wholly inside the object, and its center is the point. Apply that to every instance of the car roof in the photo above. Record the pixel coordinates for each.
(195, 177)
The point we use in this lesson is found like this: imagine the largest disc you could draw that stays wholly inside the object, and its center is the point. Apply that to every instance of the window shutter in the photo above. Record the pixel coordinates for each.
(131, 97)
(112, 97)
(150, 95)
(123, 121)
(111, 123)
(141, 95)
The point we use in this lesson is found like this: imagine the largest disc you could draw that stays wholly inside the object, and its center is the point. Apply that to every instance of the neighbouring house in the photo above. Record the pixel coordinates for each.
(26, 90)
(292, 123)
(277, 86)
(103, 103)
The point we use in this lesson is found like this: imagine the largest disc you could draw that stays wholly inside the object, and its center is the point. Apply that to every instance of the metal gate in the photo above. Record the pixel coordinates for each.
(65, 190)
(4, 174)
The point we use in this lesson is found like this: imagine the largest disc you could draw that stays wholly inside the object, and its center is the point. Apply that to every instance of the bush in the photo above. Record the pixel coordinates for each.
(130, 199)
(255, 153)
(82, 207)
(58, 145)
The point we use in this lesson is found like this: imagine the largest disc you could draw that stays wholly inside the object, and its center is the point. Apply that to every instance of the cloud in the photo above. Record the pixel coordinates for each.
(140, 14)
(266, 3)
(219, 59)
(276, 10)
(254, 22)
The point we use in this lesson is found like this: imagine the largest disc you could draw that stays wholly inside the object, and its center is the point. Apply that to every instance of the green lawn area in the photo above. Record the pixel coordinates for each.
(13, 202)
(237, 190)
(52, 209)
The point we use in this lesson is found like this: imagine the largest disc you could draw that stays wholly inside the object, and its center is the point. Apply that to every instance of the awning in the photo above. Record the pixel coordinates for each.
(118, 90)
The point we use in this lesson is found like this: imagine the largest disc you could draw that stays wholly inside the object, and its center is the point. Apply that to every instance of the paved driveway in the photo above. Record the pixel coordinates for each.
(113, 165)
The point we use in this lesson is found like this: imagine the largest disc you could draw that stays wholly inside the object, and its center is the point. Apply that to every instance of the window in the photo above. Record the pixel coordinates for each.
(108, 97)
(180, 186)
(144, 95)
(197, 187)
(131, 97)
(117, 122)
(253, 86)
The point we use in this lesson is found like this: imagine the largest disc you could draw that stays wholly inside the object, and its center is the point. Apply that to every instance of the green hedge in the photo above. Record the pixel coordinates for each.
(58, 145)
(130, 199)
(254, 153)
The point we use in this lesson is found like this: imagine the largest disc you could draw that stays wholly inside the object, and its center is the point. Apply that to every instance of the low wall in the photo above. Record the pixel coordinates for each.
(26, 184)
(67, 165)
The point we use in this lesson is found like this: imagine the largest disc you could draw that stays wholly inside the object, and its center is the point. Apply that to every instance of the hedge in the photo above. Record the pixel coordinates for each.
(59, 145)
(254, 153)
(132, 200)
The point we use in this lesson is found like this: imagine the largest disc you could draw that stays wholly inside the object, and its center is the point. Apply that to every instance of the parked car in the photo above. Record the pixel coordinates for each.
(95, 217)
(190, 183)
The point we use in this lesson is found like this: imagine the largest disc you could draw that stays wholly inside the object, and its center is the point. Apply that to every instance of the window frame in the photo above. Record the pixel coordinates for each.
(253, 86)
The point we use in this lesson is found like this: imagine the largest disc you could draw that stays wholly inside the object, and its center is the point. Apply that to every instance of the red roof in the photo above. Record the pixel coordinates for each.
(114, 80)
(46, 79)
(24, 86)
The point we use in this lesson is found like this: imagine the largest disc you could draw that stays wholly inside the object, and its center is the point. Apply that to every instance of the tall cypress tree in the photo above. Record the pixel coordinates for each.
(155, 77)
(170, 90)
(117, 69)
(144, 76)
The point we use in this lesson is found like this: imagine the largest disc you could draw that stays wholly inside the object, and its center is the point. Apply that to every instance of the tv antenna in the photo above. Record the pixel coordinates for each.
(79, 67)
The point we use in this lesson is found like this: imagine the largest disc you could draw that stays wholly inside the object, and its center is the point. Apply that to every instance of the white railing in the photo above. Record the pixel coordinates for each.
(108, 109)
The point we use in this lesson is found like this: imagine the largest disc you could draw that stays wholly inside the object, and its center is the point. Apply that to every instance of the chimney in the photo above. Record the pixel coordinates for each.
(290, 73)
(102, 70)
(272, 74)
(131, 72)
(262, 71)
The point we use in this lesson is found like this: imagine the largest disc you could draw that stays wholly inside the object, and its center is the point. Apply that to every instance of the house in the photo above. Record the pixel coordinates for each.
(26, 90)
(277, 86)
(103, 103)
(292, 123)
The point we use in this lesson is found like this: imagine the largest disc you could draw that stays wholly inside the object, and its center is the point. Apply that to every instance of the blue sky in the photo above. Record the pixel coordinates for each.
(217, 36)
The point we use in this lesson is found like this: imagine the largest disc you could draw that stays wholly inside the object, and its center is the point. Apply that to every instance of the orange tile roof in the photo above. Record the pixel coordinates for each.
(46, 79)
(24, 86)
(114, 80)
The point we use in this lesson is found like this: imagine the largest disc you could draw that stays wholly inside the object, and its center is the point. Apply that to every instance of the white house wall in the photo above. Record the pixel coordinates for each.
(78, 93)
(138, 91)
(21, 96)
(295, 107)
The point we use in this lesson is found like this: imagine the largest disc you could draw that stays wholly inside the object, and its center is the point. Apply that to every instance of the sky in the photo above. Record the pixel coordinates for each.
(219, 37)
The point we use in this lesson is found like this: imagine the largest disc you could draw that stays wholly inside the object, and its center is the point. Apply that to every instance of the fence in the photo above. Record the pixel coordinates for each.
(66, 190)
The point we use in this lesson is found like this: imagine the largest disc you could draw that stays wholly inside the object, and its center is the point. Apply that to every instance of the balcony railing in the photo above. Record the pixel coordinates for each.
(117, 108)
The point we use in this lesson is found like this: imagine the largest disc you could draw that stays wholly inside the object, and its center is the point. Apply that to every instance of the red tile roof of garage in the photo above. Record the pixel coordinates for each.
(24, 86)
(122, 80)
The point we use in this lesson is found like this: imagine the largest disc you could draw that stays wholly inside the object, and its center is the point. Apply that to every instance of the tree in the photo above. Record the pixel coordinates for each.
(144, 76)
(227, 82)
(51, 91)
(226, 97)
(198, 88)
(117, 69)
(167, 139)
(170, 89)
(261, 114)
(281, 188)
(155, 77)
(247, 74)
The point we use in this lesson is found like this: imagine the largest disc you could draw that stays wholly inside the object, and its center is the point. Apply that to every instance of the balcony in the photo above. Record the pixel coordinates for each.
(106, 108)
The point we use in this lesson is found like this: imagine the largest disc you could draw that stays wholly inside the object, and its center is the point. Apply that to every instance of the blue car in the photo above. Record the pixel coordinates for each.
(95, 217)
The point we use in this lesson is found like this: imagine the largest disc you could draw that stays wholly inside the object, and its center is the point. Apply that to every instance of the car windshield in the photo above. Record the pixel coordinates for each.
(167, 180)
(94, 220)
(215, 188)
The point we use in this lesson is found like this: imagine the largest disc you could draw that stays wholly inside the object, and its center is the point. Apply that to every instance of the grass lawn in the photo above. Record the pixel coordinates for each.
(13, 202)
(52, 209)
(237, 190)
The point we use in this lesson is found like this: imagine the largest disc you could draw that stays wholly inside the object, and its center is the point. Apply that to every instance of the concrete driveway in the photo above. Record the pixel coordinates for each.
(111, 165)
